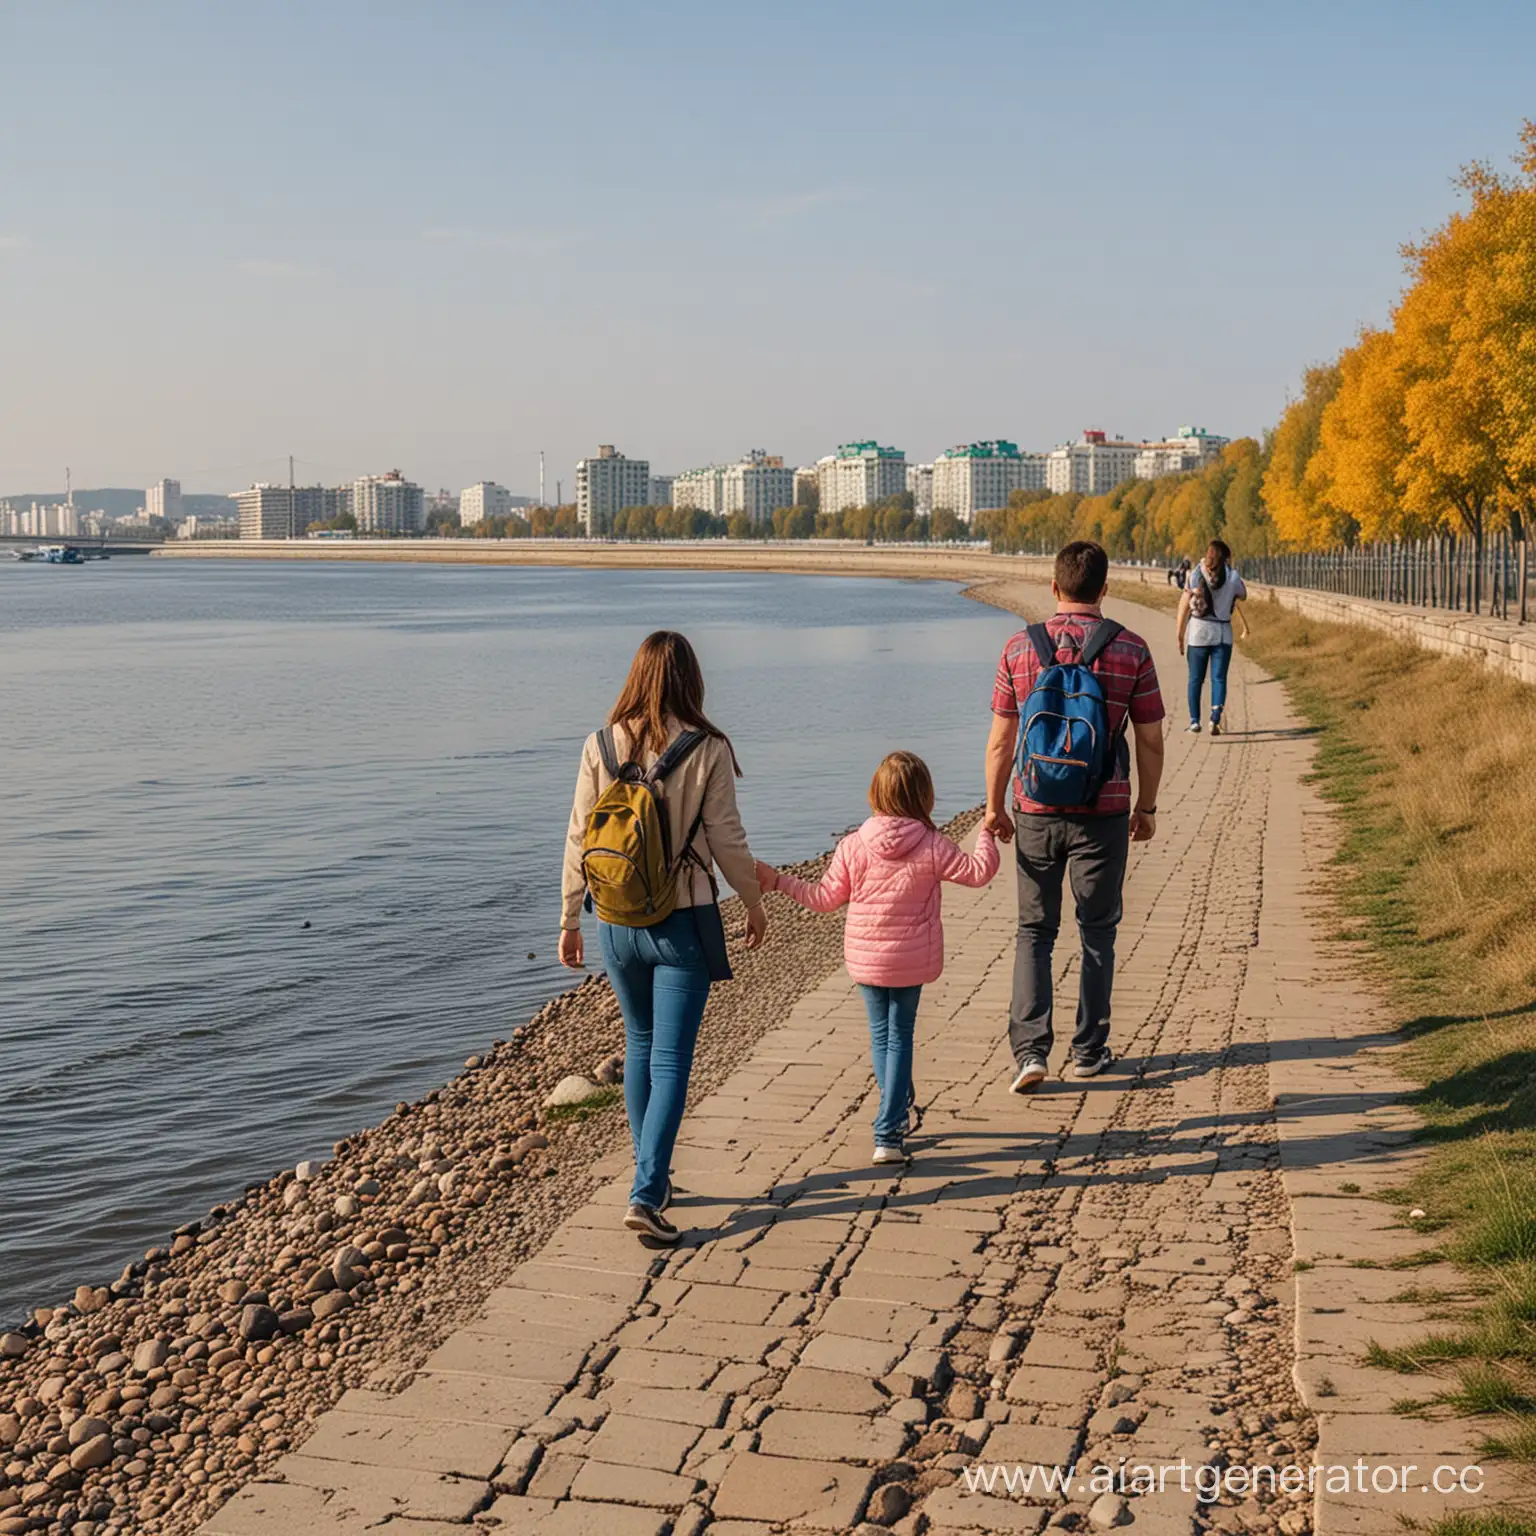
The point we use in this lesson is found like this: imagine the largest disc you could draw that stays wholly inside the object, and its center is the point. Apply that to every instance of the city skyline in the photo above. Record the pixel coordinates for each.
(548, 243)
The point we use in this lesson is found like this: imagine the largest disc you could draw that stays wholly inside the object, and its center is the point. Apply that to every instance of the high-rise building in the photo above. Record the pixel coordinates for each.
(605, 485)
(757, 485)
(807, 487)
(980, 477)
(920, 483)
(701, 488)
(486, 499)
(388, 504)
(660, 494)
(1188, 448)
(265, 511)
(1096, 463)
(859, 474)
(163, 499)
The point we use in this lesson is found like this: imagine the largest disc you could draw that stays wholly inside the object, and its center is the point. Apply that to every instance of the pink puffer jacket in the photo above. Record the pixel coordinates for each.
(889, 873)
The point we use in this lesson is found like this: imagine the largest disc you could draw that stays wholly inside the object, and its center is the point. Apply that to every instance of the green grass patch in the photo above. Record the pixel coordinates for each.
(1483, 1525)
(1430, 764)
(604, 1098)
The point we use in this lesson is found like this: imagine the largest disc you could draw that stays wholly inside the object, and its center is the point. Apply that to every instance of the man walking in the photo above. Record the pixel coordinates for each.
(1088, 843)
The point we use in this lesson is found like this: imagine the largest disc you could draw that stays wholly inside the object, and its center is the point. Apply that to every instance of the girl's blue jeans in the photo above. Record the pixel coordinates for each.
(661, 979)
(892, 1023)
(1218, 658)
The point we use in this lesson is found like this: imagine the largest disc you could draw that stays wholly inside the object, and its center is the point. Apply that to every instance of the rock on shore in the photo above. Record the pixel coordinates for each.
(139, 1406)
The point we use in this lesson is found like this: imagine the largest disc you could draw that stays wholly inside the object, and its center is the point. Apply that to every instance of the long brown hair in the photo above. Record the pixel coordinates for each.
(1218, 556)
(902, 786)
(664, 682)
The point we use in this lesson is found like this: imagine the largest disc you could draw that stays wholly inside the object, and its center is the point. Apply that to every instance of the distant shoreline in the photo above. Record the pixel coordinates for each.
(917, 562)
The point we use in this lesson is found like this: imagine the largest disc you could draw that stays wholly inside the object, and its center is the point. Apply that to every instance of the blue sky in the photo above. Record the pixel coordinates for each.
(443, 237)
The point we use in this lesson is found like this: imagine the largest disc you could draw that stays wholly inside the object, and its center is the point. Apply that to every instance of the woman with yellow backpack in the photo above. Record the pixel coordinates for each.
(655, 811)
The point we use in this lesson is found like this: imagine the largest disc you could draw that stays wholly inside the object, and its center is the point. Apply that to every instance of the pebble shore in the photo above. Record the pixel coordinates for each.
(138, 1405)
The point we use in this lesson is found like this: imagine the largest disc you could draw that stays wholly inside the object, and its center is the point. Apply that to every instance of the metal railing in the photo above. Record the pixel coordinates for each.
(1458, 573)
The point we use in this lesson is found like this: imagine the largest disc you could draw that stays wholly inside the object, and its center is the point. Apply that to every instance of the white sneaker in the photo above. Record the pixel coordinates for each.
(1031, 1074)
(888, 1154)
(1194, 725)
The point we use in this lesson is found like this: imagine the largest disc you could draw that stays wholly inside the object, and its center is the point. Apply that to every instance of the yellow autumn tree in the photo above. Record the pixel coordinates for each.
(1494, 332)
(1302, 515)
(1362, 439)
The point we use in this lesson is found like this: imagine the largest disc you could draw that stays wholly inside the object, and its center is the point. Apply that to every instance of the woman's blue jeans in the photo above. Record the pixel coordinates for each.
(1218, 658)
(892, 1022)
(662, 982)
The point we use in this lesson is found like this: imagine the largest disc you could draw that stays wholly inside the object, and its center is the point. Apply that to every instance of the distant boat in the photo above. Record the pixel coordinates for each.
(26, 554)
(62, 554)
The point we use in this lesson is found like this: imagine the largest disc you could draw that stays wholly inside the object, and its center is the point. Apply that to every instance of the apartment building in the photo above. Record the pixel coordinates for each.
(980, 477)
(757, 485)
(605, 485)
(703, 489)
(661, 490)
(388, 504)
(807, 489)
(482, 500)
(163, 499)
(920, 483)
(266, 512)
(1189, 448)
(859, 474)
(1096, 463)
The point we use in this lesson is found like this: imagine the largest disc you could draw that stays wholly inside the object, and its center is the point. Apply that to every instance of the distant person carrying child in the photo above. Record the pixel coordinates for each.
(1207, 607)
(1067, 691)
(889, 874)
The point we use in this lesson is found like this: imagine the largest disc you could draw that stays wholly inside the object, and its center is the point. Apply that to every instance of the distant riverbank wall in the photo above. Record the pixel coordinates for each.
(1497, 644)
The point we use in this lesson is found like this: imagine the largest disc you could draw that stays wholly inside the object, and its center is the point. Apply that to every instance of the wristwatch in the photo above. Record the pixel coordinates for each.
(1146, 810)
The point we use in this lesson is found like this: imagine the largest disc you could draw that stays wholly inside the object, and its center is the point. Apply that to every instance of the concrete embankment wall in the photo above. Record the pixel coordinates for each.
(1498, 644)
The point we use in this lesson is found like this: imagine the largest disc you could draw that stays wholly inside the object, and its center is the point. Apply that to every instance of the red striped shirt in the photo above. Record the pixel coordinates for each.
(1129, 679)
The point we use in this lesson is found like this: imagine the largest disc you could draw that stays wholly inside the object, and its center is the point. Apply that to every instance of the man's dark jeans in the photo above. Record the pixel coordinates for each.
(1091, 851)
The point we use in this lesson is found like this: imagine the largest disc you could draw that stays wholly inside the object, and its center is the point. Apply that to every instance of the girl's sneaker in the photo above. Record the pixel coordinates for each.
(1194, 725)
(885, 1153)
(651, 1223)
(1215, 725)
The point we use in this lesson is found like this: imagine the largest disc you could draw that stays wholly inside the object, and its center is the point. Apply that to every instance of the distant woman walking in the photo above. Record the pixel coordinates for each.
(655, 810)
(1207, 605)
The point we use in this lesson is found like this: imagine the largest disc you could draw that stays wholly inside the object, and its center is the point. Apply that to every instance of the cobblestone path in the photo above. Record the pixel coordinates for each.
(1100, 1274)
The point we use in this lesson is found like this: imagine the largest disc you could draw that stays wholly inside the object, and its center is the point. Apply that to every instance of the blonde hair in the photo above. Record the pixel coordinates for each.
(902, 786)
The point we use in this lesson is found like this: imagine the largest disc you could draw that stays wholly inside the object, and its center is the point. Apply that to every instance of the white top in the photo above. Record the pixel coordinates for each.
(1216, 630)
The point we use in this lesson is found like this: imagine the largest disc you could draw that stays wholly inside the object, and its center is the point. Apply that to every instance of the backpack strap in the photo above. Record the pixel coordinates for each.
(675, 754)
(608, 751)
(1105, 633)
(1045, 647)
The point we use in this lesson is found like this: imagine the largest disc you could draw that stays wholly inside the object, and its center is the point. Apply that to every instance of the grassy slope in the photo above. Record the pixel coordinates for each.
(1432, 766)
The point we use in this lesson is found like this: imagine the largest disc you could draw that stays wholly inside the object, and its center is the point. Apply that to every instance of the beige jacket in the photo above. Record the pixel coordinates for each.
(705, 778)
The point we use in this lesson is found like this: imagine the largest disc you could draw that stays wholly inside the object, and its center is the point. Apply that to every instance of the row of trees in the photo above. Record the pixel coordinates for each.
(1428, 424)
(1147, 519)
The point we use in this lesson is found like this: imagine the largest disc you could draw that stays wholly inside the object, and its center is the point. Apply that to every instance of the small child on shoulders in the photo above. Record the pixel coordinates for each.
(889, 874)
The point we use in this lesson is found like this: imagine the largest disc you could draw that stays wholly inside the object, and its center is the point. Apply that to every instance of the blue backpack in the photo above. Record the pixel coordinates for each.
(1066, 753)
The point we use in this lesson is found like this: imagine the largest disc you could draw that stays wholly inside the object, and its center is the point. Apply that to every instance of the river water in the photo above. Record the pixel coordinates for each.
(280, 843)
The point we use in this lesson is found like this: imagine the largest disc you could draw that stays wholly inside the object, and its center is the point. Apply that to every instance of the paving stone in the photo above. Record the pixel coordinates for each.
(840, 1436)
(385, 1490)
(832, 1391)
(727, 1304)
(823, 1495)
(959, 1510)
(601, 1481)
(704, 1410)
(860, 1357)
(465, 1398)
(479, 1354)
(1047, 1384)
(469, 1450)
(652, 1368)
(640, 1442)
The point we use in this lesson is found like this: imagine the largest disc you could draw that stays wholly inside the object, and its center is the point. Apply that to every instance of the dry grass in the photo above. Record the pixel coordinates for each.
(1432, 765)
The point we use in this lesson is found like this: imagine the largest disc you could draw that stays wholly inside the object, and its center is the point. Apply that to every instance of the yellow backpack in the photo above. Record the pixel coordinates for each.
(626, 851)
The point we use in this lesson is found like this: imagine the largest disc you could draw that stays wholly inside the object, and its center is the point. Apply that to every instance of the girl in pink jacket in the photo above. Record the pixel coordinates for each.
(889, 874)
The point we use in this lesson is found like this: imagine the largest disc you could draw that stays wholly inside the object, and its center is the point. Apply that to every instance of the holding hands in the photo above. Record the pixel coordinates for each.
(767, 876)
